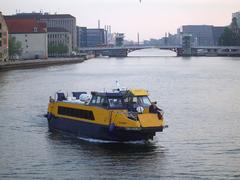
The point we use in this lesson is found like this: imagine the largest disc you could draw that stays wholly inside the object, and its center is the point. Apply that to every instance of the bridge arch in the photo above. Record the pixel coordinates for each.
(152, 52)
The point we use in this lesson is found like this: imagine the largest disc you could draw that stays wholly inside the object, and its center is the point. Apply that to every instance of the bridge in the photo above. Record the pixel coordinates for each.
(122, 51)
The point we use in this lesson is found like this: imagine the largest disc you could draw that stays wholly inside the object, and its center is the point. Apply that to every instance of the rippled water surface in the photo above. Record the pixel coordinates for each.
(200, 97)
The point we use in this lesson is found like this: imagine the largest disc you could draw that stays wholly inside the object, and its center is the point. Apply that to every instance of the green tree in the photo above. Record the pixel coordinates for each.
(14, 47)
(57, 49)
(231, 35)
(51, 49)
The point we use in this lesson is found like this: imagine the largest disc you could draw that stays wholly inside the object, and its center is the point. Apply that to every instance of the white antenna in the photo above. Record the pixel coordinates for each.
(118, 85)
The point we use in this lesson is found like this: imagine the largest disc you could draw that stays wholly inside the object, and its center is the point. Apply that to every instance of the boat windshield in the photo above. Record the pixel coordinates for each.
(135, 101)
(144, 101)
(116, 103)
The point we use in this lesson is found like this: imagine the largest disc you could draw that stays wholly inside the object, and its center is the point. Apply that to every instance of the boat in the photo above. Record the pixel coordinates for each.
(120, 115)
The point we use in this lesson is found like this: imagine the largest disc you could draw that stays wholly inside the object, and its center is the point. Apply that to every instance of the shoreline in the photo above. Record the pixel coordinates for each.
(36, 63)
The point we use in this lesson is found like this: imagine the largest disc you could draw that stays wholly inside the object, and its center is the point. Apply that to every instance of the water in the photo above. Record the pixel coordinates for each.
(200, 97)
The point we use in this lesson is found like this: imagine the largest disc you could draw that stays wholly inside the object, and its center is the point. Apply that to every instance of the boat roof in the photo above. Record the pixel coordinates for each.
(108, 94)
(134, 92)
(139, 92)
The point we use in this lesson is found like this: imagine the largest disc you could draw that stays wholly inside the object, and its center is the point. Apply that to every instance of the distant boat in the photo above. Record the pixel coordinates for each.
(119, 115)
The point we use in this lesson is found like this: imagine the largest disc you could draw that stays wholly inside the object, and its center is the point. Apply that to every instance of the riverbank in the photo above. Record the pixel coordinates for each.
(35, 63)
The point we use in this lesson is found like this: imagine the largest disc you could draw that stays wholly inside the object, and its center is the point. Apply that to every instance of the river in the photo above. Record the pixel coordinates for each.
(200, 97)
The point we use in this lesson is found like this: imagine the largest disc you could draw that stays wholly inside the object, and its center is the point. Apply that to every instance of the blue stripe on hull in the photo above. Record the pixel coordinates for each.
(95, 131)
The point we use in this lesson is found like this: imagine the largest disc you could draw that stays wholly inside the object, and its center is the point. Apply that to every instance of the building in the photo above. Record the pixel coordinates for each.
(81, 37)
(203, 35)
(32, 35)
(217, 32)
(237, 16)
(59, 42)
(119, 39)
(91, 37)
(3, 39)
(96, 37)
(65, 21)
(187, 44)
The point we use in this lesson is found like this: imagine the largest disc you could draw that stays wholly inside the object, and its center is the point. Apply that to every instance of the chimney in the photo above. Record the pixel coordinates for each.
(99, 25)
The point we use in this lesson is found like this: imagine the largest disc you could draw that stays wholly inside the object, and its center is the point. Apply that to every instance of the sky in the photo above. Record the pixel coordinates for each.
(150, 18)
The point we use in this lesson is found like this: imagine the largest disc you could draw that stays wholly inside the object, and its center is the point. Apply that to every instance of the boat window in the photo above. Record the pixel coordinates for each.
(115, 103)
(133, 102)
(94, 100)
(144, 101)
(76, 113)
(99, 101)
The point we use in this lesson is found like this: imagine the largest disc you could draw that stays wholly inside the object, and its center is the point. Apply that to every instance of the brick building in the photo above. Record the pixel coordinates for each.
(3, 39)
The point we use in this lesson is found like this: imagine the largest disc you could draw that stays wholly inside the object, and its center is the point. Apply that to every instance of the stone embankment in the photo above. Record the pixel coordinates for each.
(25, 64)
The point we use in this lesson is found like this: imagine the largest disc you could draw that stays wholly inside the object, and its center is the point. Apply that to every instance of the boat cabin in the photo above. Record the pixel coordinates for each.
(129, 100)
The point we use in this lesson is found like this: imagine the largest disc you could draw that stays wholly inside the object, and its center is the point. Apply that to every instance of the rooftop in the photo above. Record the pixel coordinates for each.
(39, 16)
(25, 26)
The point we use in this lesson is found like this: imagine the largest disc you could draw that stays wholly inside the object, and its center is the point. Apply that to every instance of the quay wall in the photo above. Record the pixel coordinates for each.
(27, 64)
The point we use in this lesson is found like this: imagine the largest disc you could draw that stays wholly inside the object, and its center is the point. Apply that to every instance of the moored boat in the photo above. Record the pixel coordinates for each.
(120, 115)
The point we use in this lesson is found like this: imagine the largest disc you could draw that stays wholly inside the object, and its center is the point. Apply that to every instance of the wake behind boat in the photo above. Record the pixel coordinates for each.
(120, 115)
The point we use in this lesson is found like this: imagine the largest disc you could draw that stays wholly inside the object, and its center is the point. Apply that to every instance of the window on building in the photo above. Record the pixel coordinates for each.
(0, 25)
(26, 46)
(0, 43)
(35, 29)
(0, 35)
(0, 55)
(25, 35)
(25, 40)
(5, 41)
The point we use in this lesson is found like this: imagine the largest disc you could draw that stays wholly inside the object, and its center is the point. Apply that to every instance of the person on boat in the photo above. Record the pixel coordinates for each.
(51, 99)
(154, 109)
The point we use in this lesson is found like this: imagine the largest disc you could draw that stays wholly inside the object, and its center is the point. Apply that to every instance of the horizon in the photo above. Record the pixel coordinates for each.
(150, 18)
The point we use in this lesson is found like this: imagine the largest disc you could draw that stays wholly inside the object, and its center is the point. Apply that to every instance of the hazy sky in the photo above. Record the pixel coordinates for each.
(151, 18)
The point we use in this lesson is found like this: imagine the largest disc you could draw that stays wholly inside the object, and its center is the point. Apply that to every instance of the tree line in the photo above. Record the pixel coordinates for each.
(231, 35)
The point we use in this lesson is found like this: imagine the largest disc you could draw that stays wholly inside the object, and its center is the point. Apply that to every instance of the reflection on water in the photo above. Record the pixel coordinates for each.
(200, 97)
(110, 159)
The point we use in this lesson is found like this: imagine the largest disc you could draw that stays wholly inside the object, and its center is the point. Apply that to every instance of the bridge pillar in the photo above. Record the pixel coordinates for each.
(194, 52)
(179, 51)
(118, 53)
(187, 45)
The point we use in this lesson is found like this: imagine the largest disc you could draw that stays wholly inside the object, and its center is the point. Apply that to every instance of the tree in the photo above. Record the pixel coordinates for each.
(14, 47)
(231, 35)
(57, 49)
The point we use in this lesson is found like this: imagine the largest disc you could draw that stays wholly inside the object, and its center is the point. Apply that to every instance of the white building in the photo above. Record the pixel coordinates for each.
(65, 21)
(32, 35)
